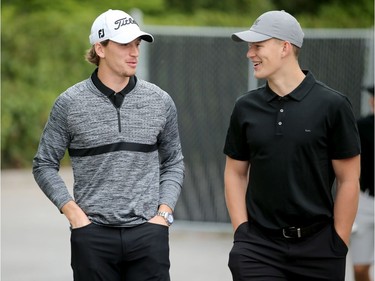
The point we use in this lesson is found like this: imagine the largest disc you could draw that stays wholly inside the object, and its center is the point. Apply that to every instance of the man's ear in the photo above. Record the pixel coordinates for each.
(287, 48)
(100, 50)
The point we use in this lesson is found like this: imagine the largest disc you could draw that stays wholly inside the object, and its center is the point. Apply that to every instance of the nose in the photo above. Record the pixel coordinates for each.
(250, 52)
(134, 50)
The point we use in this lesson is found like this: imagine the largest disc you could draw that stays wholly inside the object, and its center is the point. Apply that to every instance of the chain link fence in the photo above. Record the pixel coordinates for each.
(205, 71)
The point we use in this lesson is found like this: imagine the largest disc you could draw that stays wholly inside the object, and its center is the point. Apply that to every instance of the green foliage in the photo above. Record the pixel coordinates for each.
(299, 6)
(231, 6)
(44, 42)
(337, 15)
(42, 54)
(317, 13)
(205, 15)
(81, 6)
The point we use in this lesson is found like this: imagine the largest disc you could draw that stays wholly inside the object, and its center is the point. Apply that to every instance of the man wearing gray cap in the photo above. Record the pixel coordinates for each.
(287, 143)
(122, 136)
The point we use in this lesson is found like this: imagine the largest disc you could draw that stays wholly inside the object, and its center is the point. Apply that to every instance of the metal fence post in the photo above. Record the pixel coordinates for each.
(142, 69)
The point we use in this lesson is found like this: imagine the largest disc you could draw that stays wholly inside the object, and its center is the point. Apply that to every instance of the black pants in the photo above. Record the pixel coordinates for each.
(120, 254)
(257, 256)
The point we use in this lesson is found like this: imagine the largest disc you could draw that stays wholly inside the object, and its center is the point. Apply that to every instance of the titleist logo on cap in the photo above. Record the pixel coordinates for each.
(124, 21)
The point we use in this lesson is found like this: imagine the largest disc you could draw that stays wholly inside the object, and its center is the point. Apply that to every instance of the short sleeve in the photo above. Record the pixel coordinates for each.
(344, 139)
(236, 145)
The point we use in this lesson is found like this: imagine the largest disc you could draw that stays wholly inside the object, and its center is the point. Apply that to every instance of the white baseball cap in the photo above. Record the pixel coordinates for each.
(116, 26)
(273, 24)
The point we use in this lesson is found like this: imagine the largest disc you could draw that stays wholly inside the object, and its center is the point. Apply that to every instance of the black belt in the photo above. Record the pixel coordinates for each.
(294, 232)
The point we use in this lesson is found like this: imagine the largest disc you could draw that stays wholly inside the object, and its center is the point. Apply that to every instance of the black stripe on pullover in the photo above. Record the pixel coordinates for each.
(120, 146)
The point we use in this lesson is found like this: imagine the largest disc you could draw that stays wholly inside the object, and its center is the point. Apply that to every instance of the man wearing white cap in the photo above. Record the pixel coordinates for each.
(287, 142)
(122, 136)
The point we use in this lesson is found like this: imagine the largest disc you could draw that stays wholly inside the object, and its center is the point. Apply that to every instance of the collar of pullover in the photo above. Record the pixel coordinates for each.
(116, 98)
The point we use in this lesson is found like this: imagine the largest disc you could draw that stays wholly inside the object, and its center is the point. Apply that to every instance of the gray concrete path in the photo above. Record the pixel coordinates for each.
(35, 238)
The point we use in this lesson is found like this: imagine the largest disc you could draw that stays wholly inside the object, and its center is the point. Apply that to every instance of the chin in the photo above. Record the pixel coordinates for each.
(260, 76)
(129, 73)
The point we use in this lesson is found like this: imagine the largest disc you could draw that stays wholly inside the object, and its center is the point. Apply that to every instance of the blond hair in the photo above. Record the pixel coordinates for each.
(91, 55)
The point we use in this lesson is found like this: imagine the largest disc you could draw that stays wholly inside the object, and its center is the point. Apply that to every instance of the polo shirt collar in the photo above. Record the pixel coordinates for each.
(298, 93)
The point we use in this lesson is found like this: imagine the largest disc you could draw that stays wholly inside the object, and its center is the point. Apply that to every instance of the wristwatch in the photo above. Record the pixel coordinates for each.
(167, 216)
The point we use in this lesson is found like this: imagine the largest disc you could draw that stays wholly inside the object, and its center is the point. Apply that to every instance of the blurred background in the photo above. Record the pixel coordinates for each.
(43, 44)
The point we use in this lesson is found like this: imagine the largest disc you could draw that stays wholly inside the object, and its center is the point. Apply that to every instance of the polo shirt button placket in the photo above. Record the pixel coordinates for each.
(280, 117)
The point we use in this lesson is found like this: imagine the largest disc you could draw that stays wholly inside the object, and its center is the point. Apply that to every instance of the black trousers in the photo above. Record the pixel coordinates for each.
(257, 256)
(138, 253)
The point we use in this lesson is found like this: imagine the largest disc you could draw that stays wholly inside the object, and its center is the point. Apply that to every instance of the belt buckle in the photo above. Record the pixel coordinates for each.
(293, 228)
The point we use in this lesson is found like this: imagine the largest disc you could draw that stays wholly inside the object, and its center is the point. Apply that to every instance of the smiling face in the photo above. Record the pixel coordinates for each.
(119, 60)
(267, 57)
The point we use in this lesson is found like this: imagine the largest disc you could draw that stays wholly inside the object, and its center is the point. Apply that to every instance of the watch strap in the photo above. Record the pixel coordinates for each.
(166, 216)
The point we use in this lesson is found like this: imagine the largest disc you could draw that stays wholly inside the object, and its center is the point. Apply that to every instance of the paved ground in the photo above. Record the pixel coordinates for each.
(35, 238)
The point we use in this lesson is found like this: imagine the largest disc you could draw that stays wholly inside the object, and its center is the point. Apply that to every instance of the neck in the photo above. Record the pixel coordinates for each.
(285, 83)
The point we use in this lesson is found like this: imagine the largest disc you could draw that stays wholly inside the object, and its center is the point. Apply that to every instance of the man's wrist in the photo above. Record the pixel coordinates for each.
(168, 217)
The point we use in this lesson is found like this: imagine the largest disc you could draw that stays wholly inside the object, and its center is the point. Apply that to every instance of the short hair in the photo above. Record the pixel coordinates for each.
(296, 50)
(91, 55)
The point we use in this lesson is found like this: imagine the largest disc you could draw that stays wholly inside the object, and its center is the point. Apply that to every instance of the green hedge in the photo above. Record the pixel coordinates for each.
(42, 55)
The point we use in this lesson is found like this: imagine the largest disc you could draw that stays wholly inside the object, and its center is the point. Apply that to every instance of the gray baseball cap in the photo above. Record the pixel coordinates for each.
(273, 24)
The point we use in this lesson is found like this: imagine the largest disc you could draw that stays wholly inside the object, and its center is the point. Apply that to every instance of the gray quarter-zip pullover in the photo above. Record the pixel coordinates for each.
(120, 176)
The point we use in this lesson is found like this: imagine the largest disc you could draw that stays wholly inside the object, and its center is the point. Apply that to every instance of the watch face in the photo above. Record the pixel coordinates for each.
(170, 219)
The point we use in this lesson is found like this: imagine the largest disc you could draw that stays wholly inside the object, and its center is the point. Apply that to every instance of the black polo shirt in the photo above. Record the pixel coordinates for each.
(290, 142)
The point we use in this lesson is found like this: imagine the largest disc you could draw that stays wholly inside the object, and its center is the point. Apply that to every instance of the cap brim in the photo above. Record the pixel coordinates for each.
(249, 36)
(127, 38)
(147, 37)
